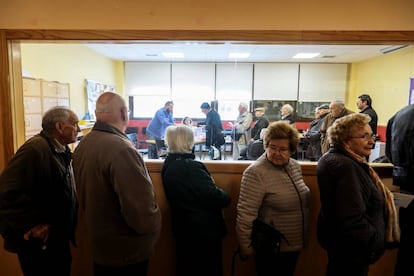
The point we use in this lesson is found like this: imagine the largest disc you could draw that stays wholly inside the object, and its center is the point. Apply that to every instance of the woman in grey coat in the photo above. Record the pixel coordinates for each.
(273, 190)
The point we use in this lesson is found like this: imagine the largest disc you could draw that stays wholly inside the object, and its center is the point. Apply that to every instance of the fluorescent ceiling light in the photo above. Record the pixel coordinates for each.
(239, 55)
(173, 54)
(390, 49)
(306, 55)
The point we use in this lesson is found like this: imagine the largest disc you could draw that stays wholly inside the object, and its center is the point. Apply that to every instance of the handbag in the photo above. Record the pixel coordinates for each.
(265, 238)
(235, 134)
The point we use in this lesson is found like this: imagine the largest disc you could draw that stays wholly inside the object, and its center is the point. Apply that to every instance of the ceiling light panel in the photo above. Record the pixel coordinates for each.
(306, 55)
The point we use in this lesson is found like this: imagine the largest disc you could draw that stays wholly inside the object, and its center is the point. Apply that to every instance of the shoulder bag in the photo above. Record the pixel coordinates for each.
(265, 238)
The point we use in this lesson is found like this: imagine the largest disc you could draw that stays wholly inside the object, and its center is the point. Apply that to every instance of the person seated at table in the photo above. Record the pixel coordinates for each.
(312, 136)
(256, 149)
(187, 121)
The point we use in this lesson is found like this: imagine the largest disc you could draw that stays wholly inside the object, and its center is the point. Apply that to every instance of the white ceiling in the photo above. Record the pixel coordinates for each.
(214, 52)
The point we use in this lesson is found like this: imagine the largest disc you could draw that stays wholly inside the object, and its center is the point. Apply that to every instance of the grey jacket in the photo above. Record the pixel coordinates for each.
(116, 197)
(279, 197)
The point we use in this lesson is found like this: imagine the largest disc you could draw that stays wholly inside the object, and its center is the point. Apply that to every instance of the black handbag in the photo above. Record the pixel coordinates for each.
(236, 135)
(265, 238)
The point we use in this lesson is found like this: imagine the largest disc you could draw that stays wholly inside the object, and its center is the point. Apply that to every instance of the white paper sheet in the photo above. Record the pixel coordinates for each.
(402, 200)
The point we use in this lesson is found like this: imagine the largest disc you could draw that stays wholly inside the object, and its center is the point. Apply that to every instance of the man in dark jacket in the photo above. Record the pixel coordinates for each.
(400, 151)
(261, 122)
(313, 134)
(214, 135)
(337, 110)
(364, 105)
(38, 205)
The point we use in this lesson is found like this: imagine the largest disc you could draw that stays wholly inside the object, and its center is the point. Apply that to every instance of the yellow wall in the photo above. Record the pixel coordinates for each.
(72, 63)
(214, 14)
(385, 79)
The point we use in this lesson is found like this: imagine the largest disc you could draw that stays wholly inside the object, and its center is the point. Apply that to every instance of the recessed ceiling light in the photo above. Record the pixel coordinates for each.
(173, 54)
(238, 55)
(306, 55)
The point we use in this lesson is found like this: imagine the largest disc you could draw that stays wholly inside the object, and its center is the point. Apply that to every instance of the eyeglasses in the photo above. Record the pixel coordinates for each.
(279, 150)
(366, 136)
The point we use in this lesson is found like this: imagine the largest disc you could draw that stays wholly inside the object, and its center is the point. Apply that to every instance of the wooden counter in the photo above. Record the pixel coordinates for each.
(227, 175)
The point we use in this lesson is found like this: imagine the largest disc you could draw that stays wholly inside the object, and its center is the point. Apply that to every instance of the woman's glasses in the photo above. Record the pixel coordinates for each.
(366, 136)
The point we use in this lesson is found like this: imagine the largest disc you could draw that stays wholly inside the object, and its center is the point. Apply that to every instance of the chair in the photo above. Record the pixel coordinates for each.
(134, 139)
(131, 130)
(161, 147)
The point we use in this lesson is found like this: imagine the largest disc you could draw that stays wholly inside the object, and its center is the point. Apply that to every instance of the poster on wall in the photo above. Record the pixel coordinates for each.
(411, 98)
(93, 90)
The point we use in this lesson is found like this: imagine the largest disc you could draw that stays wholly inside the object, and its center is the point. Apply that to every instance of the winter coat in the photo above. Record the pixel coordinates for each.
(400, 147)
(196, 202)
(352, 216)
(116, 197)
(37, 187)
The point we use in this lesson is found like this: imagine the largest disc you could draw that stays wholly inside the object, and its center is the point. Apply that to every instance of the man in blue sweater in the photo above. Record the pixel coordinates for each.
(162, 119)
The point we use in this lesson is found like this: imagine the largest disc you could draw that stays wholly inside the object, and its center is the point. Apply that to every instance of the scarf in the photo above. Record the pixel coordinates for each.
(392, 230)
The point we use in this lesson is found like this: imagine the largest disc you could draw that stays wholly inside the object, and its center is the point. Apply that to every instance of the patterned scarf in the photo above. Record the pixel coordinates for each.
(392, 230)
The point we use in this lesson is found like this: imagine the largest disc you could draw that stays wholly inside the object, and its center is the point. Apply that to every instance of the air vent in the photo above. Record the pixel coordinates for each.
(328, 56)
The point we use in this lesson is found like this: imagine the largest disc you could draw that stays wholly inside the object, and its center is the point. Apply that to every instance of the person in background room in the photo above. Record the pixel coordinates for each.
(337, 110)
(400, 152)
(357, 216)
(242, 129)
(187, 121)
(261, 122)
(272, 190)
(38, 203)
(213, 127)
(364, 104)
(116, 195)
(313, 134)
(196, 206)
(286, 113)
(162, 119)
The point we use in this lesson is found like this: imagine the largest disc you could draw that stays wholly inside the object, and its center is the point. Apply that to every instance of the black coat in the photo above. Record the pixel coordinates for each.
(313, 139)
(352, 219)
(374, 118)
(37, 187)
(262, 122)
(196, 202)
(214, 135)
(400, 147)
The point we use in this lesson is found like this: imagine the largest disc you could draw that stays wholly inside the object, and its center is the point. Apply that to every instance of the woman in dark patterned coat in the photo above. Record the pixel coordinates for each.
(196, 206)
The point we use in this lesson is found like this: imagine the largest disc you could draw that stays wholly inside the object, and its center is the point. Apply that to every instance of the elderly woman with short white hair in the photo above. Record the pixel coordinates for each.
(196, 206)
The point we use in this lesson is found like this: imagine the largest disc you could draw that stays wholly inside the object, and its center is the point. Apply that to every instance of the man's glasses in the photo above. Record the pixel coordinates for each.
(366, 136)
